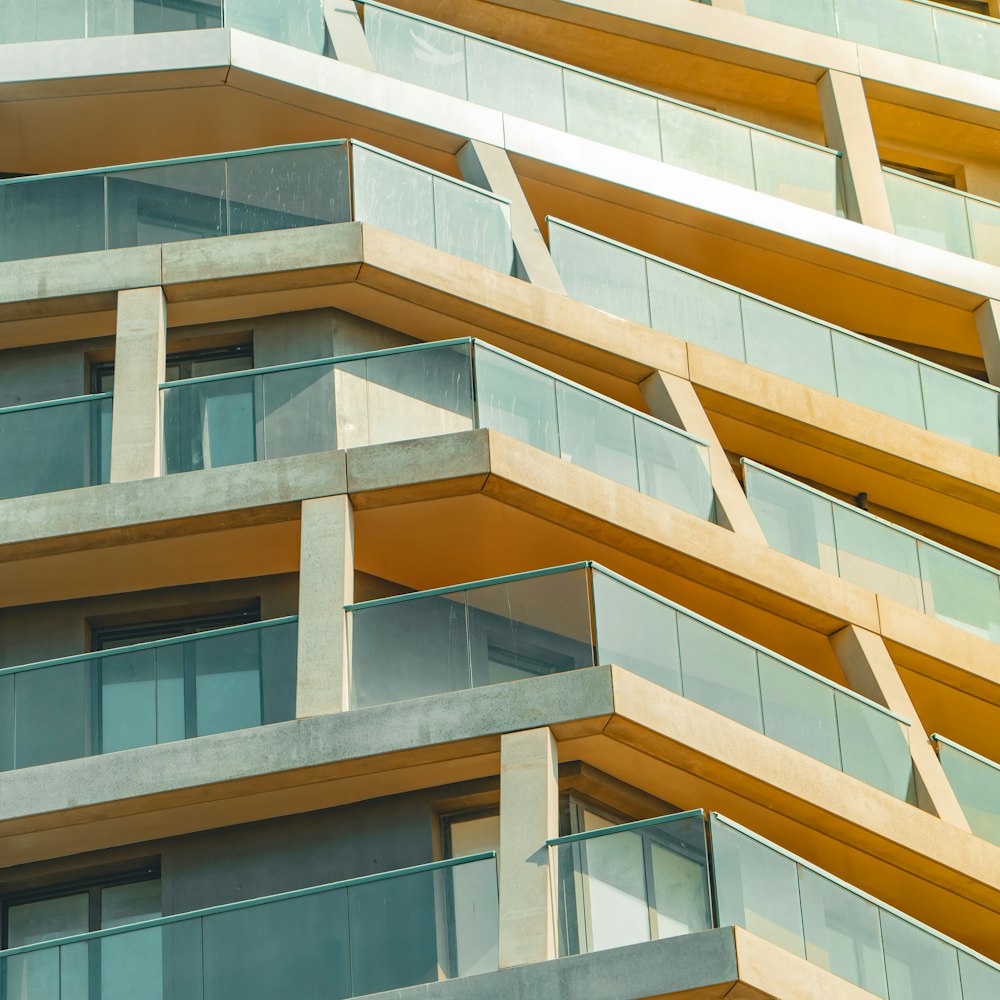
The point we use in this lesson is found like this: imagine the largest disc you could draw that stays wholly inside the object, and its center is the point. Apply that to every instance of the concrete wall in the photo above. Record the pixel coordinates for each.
(52, 371)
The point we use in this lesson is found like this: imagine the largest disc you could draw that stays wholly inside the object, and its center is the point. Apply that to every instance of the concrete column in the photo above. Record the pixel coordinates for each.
(994, 8)
(490, 167)
(673, 399)
(529, 816)
(849, 129)
(326, 584)
(347, 36)
(140, 363)
(988, 327)
(870, 671)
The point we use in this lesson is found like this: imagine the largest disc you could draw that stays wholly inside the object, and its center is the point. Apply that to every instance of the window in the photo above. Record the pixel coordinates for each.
(113, 636)
(183, 365)
(924, 173)
(975, 6)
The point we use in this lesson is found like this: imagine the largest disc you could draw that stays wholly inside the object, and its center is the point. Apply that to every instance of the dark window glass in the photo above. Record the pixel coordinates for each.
(183, 365)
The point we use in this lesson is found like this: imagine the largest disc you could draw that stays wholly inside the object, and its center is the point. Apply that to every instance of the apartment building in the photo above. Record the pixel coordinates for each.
(499, 499)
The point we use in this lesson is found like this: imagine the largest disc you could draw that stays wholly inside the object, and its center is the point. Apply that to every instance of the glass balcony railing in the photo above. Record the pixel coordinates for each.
(976, 783)
(572, 100)
(662, 878)
(709, 313)
(857, 546)
(252, 191)
(58, 445)
(910, 27)
(420, 391)
(577, 616)
(294, 22)
(153, 692)
(943, 217)
(366, 935)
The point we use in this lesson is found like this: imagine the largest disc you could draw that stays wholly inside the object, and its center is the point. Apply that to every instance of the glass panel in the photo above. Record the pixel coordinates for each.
(679, 879)
(476, 944)
(279, 653)
(929, 214)
(879, 379)
(720, 672)
(636, 632)
(132, 965)
(757, 888)
(128, 700)
(7, 739)
(978, 978)
(417, 52)
(300, 412)
(877, 556)
(176, 15)
(919, 966)
(798, 710)
(289, 189)
(695, 309)
(796, 172)
(473, 226)
(961, 410)
(781, 342)
(601, 274)
(393, 195)
(596, 109)
(906, 28)
(674, 469)
(984, 222)
(977, 787)
(47, 920)
(596, 434)
(170, 715)
(875, 747)
(516, 400)
(180, 201)
(294, 23)
(842, 932)
(515, 83)
(961, 592)
(227, 682)
(43, 218)
(52, 714)
(814, 15)
(706, 144)
(128, 904)
(968, 43)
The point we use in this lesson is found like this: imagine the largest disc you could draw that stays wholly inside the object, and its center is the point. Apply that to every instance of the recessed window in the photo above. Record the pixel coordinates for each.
(113, 636)
(924, 173)
(974, 6)
(183, 365)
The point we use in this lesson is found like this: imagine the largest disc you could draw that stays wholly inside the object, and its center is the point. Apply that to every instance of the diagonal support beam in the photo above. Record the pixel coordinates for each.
(988, 328)
(346, 33)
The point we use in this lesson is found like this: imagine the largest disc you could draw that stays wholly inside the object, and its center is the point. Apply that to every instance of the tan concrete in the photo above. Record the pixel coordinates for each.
(988, 328)
(326, 585)
(674, 400)
(347, 36)
(849, 130)
(739, 6)
(871, 672)
(490, 167)
(529, 816)
(140, 360)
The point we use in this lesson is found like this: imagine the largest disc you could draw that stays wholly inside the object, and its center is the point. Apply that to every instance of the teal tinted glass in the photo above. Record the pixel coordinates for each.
(796, 172)
(515, 83)
(874, 747)
(882, 380)
(295, 22)
(960, 591)
(596, 434)
(516, 400)
(813, 15)
(299, 411)
(919, 965)
(967, 42)
(393, 195)
(928, 213)
(471, 225)
(600, 110)
(977, 787)
(984, 218)
(706, 144)
(674, 469)
(961, 409)
(899, 26)
(978, 978)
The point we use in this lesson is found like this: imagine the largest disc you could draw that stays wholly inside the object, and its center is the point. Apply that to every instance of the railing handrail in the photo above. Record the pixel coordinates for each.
(569, 67)
(965, 750)
(922, 539)
(20, 407)
(956, 192)
(574, 838)
(953, 10)
(869, 341)
(244, 904)
(138, 647)
(850, 888)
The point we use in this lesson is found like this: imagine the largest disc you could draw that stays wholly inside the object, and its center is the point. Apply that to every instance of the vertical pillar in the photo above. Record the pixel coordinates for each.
(326, 584)
(994, 8)
(140, 363)
(849, 129)
(673, 399)
(347, 36)
(988, 328)
(529, 816)
(490, 167)
(870, 671)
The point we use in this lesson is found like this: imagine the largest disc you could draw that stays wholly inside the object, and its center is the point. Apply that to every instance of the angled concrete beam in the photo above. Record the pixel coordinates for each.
(326, 584)
(737, 5)
(849, 129)
(490, 168)
(529, 816)
(347, 36)
(870, 671)
(673, 399)
(140, 362)
(994, 8)
(988, 328)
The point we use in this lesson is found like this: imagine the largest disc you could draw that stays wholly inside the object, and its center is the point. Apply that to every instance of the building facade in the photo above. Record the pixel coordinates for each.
(499, 499)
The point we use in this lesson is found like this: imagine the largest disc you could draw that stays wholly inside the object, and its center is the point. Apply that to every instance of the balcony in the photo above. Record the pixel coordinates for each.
(874, 553)
(582, 615)
(976, 782)
(572, 100)
(421, 391)
(720, 317)
(252, 191)
(659, 878)
(62, 444)
(333, 941)
(154, 692)
(910, 27)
